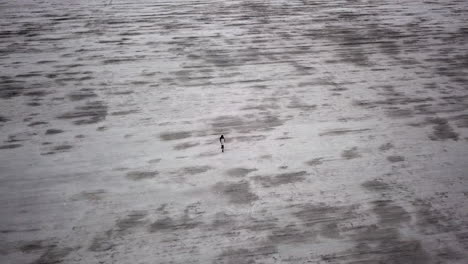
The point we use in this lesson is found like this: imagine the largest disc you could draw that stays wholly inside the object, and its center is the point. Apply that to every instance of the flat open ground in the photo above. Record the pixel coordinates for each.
(346, 126)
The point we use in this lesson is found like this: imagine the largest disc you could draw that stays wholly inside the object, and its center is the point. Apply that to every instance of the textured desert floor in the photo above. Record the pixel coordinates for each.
(346, 126)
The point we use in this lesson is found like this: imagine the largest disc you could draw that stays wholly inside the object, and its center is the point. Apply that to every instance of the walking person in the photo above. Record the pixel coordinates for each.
(221, 140)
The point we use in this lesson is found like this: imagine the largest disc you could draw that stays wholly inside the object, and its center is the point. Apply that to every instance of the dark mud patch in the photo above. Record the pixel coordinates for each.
(381, 245)
(154, 161)
(10, 87)
(175, 135)
(222, 220)
(239, 172)
(122, 93)
(195, 170)
(82, 95)
(24, 136)
(133, 219)
(102, 242)
(249, 138)
(394, 159)
(248, 124)
(122, 113)
(246, 255)
(162, 224)
(95, 195)
(390, 214)
(141, 175)
(399, 113)
(343, 131)
(376, 185)
(33, 246)
(460, 120)
(314, 162)
(57, 149)
(382, 242)
(442, 130)
(186, 145)
(355, 55)
(283, 138)
(261, 107)
(53, 131)
(10, 146)
(291, 234)
(266, 157)
(351, 153)
(431, 220)
(392, 102)
(296, 104)
(91, 113)
(39, 93)
(324, 216)
(386, 146)
(236, 192)
(188, 220)
(54, 255)
(62, 148)
(280, 179)
(462, 238)
(258, 224)
(38, 123)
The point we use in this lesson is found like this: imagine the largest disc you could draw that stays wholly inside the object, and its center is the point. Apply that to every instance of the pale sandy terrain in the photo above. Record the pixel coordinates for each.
(346, 126)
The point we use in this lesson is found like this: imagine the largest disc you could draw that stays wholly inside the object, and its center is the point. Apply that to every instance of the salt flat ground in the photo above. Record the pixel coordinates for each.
(346, 126)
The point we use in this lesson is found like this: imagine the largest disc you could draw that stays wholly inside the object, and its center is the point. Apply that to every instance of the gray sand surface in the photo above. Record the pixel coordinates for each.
(346, 126)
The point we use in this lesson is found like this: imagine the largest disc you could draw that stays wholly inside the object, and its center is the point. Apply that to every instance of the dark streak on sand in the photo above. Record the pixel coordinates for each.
(315, 162)
(386, 146)
(188, 220)
(280, 179)
(10, 146)
(53, 254)
(175, 135)
(239, 172)
(351, 153)
(53, 131)
(141, 175)
(82, 94)
(186, 145)
(63, 147)
(237, 192)
(395, 158)
(245, 255)
(195, 170)
(102, 242)
(132, 220)
(442, 129)
(339, 132)
(92, 112)
(95, 195)
(124, 113)
(376, 185)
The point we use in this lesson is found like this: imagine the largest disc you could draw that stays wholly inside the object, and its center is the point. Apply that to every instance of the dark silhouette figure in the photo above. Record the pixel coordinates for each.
(221, 140)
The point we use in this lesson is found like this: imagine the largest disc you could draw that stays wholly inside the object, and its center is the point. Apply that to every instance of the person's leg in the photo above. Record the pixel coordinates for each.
(222, 148)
